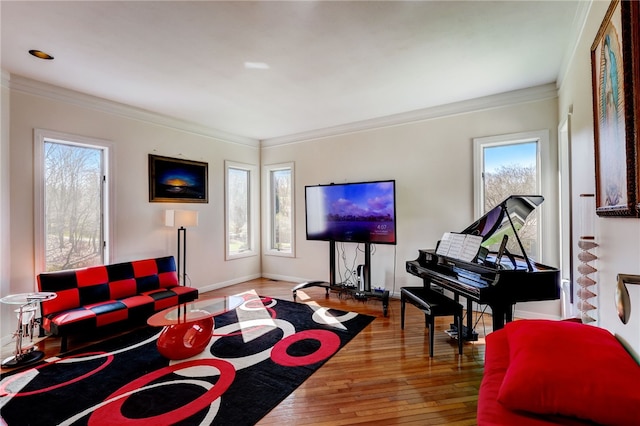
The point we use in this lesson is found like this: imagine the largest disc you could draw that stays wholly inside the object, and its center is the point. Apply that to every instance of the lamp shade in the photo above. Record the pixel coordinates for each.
(169, 217)
(181, 218)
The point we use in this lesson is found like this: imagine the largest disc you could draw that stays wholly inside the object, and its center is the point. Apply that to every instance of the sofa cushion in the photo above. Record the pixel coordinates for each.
(64, 301)
(91, 276)
(490, 411)
(72, 319)
(570, 369)
(143, 268)
(63, 283)
(122, 288)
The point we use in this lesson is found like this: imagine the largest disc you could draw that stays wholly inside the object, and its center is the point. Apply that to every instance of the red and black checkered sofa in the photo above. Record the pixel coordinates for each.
(98, 296)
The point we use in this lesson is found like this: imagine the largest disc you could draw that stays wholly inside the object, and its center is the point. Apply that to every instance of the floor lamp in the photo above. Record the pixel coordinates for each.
(182, 219)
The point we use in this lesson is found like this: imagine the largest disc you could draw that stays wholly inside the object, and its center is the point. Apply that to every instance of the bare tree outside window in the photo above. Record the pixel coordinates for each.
(281, 210)
(73, 178)
(242, 210)
(512, 169)
(238, 196)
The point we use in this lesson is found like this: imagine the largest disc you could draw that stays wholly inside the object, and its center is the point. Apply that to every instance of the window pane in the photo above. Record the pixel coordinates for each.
(512, 169)
(73, 206)
(281, 210)
(238, 196)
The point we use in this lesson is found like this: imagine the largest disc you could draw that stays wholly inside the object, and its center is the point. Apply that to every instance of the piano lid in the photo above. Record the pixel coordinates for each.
(513, 211)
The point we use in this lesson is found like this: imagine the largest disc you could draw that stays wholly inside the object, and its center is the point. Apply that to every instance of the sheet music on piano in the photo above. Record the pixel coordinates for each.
(459, 246)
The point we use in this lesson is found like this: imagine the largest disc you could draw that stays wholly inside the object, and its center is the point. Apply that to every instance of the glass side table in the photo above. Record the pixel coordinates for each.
(27, 307)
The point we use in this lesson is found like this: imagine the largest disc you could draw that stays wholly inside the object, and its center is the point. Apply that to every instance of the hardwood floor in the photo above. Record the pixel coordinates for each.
(384, 376)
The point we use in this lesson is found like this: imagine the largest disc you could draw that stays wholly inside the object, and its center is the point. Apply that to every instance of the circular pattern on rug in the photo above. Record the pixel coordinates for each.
(322, 316)
(4, 391)
(329, 345)
(112, 413)
(254, 358)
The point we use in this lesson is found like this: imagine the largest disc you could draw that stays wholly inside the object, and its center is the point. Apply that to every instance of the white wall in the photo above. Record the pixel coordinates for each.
(139, 230)
(5, 178)
(619, 238)
(432, 163)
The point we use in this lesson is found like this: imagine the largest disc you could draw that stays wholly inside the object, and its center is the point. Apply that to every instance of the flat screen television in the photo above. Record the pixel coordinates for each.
(360, 212)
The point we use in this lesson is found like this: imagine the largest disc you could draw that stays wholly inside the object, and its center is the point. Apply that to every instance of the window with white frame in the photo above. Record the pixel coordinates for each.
(279, 227)
(512, 165)
(241, 200)
(71, 201)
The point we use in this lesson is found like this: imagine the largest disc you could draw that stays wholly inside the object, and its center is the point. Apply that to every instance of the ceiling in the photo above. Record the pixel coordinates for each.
(271, 69)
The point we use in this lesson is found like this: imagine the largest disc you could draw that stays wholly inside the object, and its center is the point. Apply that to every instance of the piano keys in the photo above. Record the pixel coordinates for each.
(498, 279)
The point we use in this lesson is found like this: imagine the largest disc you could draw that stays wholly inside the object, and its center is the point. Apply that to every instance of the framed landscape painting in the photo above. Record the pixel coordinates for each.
(173, 180)
(615, 79)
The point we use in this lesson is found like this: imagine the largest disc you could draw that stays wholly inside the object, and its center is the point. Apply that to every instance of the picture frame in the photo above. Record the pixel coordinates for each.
(174, 180)
(615, 71)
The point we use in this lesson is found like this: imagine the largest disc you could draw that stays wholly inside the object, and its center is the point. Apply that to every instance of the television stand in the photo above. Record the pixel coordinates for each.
(363, 295)
(307, 284)
(354, 292)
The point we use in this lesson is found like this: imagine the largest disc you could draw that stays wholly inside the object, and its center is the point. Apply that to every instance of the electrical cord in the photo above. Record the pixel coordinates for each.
(475, 352)
(348, 274)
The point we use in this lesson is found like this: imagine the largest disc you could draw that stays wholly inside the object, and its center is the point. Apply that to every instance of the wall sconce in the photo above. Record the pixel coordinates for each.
(182, 219)
(623, 301)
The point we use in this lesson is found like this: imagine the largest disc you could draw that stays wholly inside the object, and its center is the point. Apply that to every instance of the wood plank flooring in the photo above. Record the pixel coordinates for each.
(384, 376)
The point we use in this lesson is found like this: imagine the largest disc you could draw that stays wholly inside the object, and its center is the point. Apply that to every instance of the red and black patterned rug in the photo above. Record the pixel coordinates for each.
(235, 381)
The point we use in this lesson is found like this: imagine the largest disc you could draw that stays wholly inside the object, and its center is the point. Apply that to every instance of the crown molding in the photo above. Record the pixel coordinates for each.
(38, 88)
(532, 94)
(577, 29)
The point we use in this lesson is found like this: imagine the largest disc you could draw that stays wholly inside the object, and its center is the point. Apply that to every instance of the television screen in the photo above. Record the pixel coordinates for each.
(362, 212)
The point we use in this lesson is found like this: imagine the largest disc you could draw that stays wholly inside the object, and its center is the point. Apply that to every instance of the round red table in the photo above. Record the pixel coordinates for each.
(188, 327)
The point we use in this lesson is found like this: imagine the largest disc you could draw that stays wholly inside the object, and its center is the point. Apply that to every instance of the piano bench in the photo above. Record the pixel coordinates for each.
(433, 304)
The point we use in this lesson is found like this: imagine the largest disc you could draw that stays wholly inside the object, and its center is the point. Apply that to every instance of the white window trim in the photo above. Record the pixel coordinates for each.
(267, 210)
(546, 179)
(566, 224)
(254, 203)
(39, 137)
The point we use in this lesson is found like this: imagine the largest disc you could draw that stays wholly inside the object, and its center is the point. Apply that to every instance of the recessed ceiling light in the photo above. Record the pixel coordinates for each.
(40, 54)
(256, 65)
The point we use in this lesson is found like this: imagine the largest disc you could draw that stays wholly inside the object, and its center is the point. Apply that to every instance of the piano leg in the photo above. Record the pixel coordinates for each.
(468, 336)
(498, 317)
(509, 313)
(501, 315)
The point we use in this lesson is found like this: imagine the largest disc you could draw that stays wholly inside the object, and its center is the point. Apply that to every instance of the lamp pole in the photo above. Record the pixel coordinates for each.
(182, 260)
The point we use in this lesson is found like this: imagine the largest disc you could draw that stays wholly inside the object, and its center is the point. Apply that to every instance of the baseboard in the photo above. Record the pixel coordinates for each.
(293, 280)
(534, 315)
(224, 284)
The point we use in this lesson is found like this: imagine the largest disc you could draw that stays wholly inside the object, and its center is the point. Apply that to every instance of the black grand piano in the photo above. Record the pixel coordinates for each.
(495, 278)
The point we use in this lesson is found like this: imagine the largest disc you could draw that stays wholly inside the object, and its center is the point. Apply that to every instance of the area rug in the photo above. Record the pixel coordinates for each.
(235, 381)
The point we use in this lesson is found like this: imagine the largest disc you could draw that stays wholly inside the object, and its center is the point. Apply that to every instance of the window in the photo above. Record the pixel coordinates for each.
(241, 202)
(280, 236)
(71, 201)
(511, 165)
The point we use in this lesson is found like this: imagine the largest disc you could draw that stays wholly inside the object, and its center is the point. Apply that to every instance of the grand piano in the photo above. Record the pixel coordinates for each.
(499, 278)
